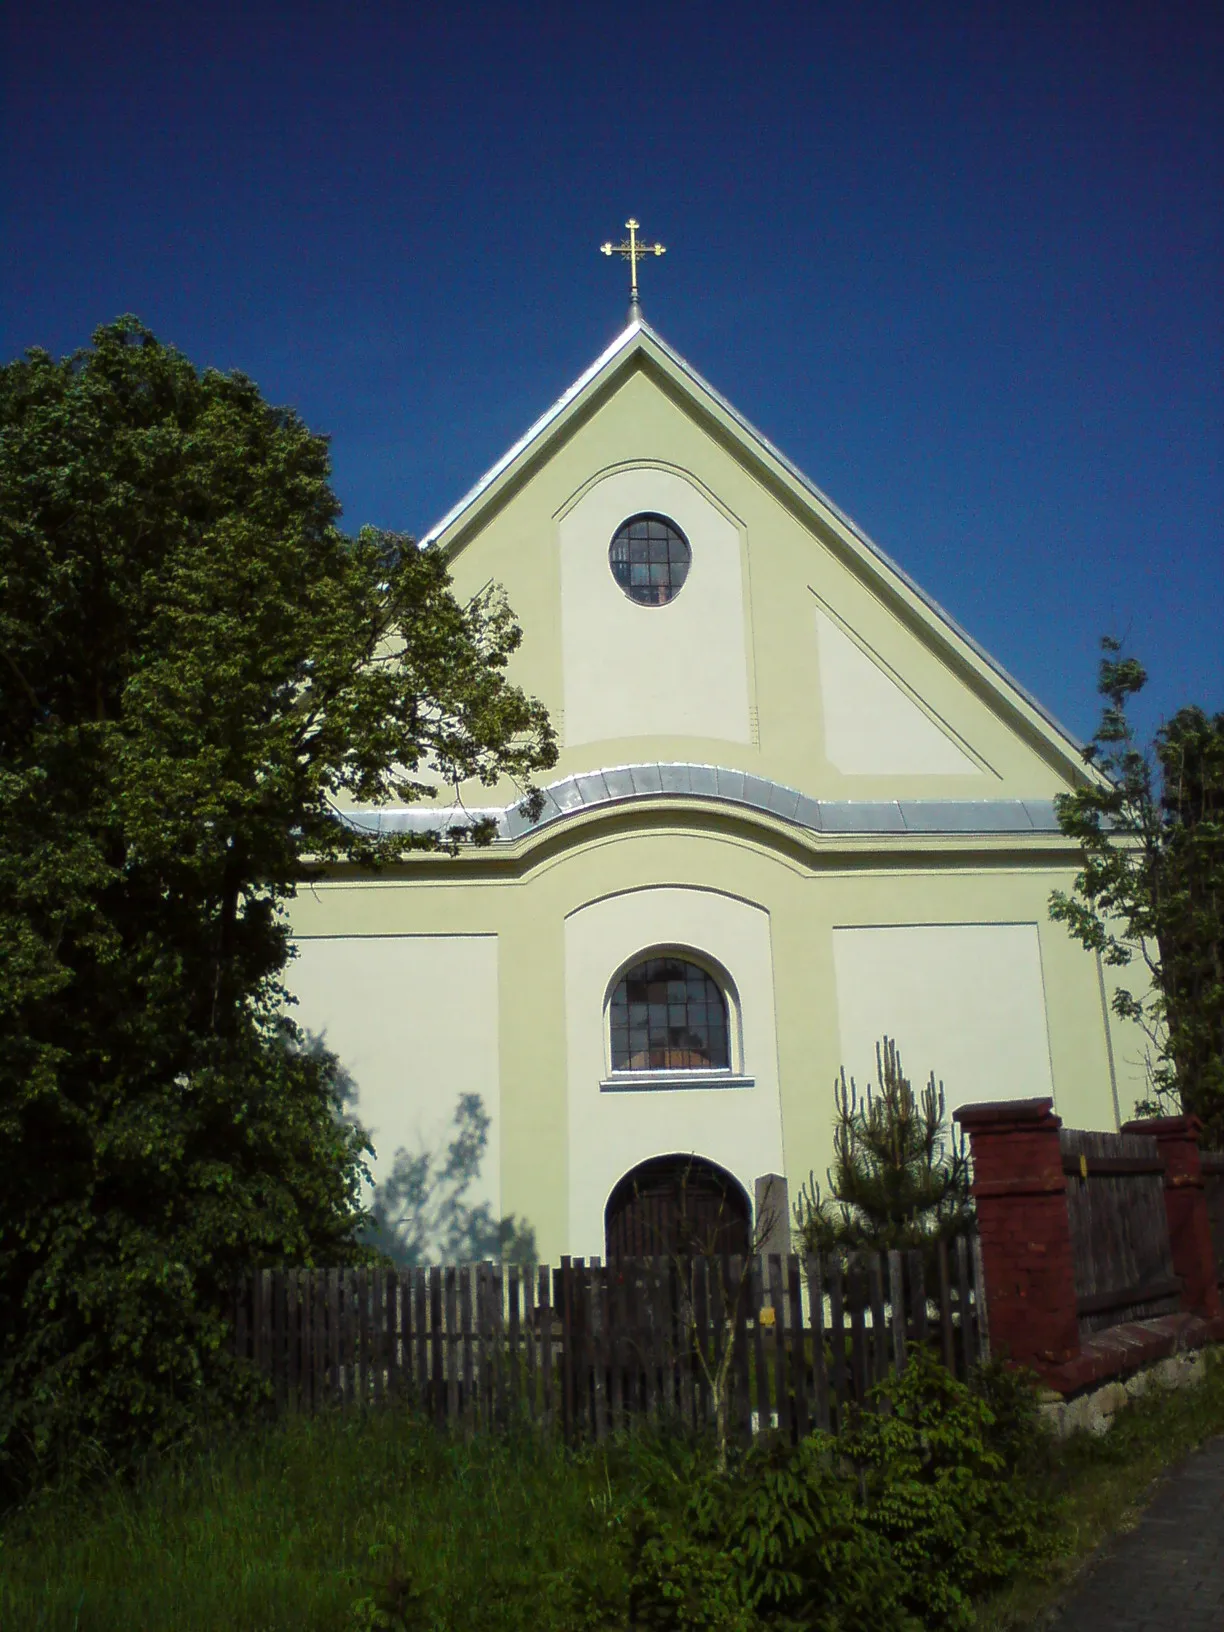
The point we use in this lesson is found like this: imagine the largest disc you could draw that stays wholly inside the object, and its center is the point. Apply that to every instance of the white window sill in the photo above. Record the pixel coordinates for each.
(630, 1082)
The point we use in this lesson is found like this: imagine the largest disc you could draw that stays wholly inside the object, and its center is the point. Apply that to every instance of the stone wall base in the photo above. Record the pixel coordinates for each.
(1092, 1408)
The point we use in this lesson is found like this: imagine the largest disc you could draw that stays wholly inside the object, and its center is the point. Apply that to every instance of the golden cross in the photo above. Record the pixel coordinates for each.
(633, 252)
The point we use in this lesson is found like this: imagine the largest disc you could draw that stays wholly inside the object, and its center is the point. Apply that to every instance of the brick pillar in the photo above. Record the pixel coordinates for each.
(1185, 1199)
(1021, 1197)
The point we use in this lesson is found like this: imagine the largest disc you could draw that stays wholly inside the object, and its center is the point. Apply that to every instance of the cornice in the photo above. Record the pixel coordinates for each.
(623, 785)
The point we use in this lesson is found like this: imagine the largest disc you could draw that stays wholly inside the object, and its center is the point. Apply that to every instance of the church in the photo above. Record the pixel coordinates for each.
(796, 808)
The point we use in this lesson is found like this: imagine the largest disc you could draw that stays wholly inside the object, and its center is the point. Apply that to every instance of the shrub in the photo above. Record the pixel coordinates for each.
(891, 1528)
(943, 1480)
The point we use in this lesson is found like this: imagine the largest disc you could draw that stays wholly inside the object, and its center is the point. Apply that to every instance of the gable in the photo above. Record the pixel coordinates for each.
(795, 651)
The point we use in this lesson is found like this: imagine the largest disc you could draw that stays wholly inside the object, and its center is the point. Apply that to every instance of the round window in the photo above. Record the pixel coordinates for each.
(649, 557)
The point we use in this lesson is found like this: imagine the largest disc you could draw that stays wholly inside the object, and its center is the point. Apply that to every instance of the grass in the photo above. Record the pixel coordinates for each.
(294, 1527)
(307, 1523)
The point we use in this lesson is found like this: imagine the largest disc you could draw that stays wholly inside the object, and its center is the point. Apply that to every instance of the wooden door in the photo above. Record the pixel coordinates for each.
(677, 1206)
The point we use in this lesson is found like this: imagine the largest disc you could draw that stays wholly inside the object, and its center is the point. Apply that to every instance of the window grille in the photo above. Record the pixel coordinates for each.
(650, 558)
(669, 1015)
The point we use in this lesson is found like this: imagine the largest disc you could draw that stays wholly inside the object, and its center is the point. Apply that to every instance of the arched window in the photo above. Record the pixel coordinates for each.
(667, 1014)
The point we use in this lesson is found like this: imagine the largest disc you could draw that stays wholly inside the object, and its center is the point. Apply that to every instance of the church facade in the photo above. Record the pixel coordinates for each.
(796, 808)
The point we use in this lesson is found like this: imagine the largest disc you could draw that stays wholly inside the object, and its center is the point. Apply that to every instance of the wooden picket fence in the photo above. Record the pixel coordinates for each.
(587, 1348)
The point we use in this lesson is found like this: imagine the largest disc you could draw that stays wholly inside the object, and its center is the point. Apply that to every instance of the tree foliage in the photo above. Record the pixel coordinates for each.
(899, 1178)
(197, 667)
(1151, 889)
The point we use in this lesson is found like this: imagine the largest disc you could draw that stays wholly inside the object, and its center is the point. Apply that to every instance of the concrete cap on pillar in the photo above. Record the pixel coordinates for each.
(1166, 1127)
(998, 1113)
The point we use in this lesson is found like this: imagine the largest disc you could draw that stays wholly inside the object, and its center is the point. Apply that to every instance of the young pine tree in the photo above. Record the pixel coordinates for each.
(899, 1178)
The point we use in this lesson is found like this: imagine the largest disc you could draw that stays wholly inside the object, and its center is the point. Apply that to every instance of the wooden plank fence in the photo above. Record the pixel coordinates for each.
(1213, 1183)
(585, 1348)
(1119, 1228)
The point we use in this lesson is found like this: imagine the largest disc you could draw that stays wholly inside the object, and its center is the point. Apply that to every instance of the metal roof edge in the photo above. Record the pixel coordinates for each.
(532, 432)
(612, 785)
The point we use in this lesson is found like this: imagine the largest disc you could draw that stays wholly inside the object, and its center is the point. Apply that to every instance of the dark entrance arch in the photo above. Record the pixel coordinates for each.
(677, 1205)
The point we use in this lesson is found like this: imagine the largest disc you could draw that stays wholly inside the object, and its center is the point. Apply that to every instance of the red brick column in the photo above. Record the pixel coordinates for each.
(1185, 1198)
(1021, 1196)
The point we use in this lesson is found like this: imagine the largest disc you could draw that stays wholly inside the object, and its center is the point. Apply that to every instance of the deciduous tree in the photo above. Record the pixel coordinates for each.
(197, 669)
(1151, 890)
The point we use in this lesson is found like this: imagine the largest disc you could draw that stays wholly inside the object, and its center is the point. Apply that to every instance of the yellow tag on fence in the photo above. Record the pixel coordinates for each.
(769, 1317)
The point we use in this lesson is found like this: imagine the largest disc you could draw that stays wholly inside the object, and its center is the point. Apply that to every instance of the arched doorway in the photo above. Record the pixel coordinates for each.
(677, 1205)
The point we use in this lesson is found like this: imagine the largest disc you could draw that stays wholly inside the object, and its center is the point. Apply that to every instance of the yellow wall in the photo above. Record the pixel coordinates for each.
(807, 890)
(630, 670)
(737, 1124)
(414, 1019)
(818, 668)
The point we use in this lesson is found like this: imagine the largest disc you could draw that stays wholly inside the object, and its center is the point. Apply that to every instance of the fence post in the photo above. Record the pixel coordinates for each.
(1185, 1199)
(772, 1218)
(563, 1295)
(1021, 1198)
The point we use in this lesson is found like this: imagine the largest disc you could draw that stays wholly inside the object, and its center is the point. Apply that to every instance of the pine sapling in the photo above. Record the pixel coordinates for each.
(900, 1177)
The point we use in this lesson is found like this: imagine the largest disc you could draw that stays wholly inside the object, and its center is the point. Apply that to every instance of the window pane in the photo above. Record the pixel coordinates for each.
(668, 1014)
(654, 543)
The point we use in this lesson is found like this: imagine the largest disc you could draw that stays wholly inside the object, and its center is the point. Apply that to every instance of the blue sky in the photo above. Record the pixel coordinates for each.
(961, 262)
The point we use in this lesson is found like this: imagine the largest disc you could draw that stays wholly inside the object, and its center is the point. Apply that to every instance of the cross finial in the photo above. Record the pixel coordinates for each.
(633, 252)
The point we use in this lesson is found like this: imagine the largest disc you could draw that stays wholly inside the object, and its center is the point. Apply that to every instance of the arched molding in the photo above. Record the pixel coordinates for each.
(625, 465)
(646, 889)
(615, 1122)
(681, 666)
(677, 1203)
